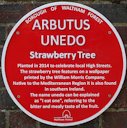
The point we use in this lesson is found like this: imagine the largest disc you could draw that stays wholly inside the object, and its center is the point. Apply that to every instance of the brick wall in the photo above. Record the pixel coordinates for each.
(10, 12)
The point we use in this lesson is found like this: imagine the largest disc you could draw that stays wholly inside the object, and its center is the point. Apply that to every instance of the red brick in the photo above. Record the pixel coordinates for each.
(123, 33)
(1, 49)
(126, 57)
(116, 13)
(116, 1)
(2, 34)
(2, 120)
(9, 28)
(121, 100)
(11, 13)
(21, 120)
(1, 81)
(115, 120)
(6, 102)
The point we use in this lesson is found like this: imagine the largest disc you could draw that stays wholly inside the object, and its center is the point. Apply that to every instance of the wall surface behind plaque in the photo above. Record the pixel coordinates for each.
(10, 12)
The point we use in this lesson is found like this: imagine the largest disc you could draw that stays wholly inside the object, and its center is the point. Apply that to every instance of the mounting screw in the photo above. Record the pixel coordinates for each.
(17, 33)
(18, 96)
(109, 32)
(109, 95)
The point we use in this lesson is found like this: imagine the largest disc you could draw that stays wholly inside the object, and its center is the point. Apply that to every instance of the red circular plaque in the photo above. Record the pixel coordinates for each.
(63, 64)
